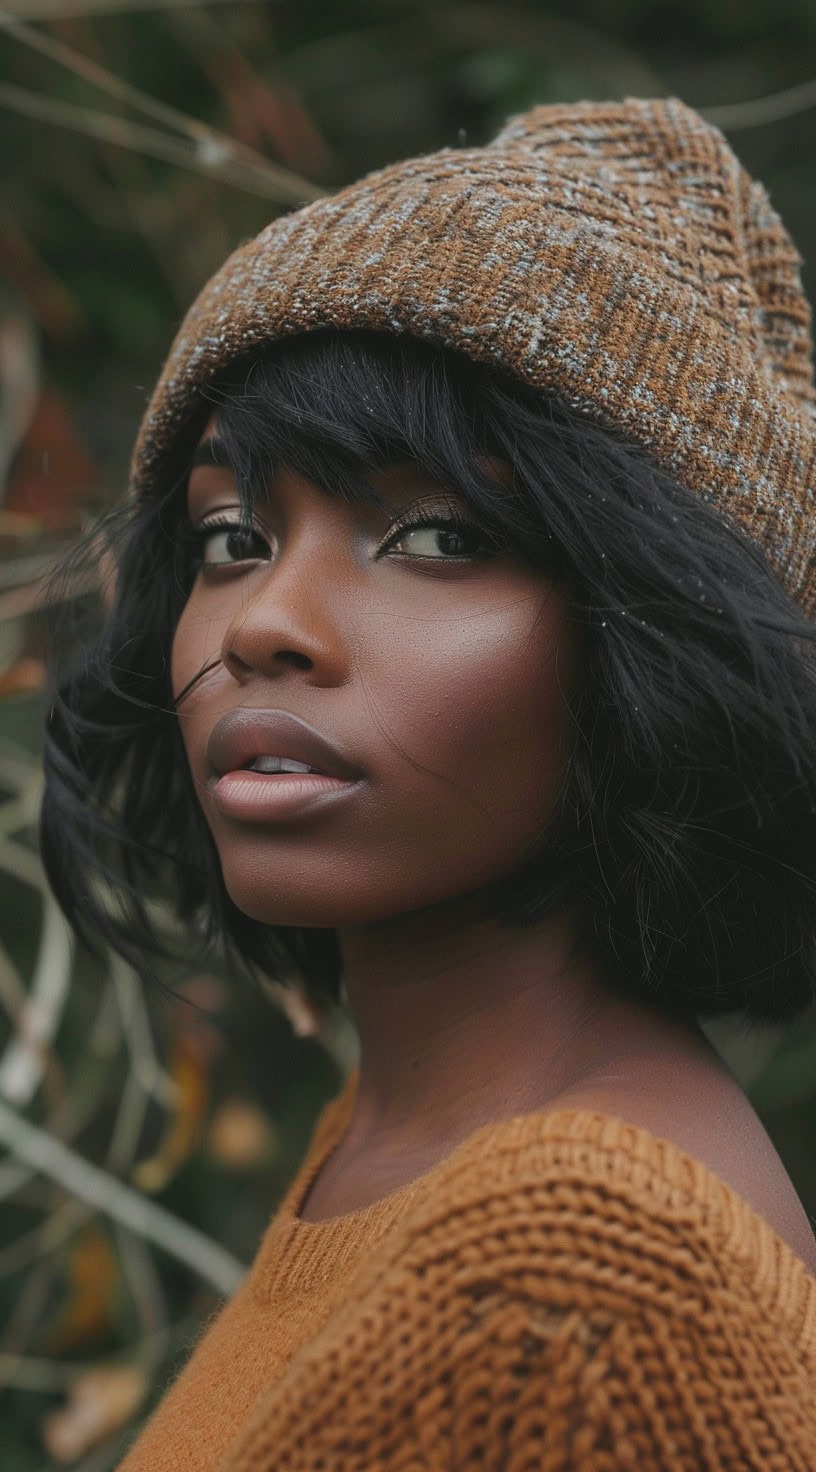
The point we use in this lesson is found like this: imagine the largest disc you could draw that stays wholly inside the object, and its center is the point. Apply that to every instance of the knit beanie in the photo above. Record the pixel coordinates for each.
(616, 253)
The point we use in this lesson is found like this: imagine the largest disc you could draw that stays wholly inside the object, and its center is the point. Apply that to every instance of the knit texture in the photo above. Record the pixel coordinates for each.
(616, 253)
(565, 1292)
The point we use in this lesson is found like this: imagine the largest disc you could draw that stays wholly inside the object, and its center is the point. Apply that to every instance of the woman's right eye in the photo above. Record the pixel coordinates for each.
(224, 543)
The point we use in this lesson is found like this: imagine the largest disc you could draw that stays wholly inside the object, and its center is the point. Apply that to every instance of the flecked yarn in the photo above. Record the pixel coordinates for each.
(617, 253)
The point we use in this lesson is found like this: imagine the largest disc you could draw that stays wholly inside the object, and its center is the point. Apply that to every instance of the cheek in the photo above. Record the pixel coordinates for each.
(479, 703)
(196, 642)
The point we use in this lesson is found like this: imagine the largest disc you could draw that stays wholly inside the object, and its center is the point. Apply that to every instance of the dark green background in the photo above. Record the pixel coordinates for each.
(101, 250)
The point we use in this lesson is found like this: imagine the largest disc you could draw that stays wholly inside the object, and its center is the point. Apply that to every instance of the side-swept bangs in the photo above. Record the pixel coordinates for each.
(686, 838)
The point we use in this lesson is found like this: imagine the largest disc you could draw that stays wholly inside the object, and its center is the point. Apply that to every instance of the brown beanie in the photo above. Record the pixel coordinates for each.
(615, 252)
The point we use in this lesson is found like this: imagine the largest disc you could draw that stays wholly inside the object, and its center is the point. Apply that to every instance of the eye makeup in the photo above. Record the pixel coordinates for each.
(441, 515)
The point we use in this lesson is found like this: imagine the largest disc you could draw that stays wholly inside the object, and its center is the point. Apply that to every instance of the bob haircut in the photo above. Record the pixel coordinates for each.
(686, 835)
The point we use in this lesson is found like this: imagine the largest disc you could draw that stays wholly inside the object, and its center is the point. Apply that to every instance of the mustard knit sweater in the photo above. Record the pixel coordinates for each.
(565, 1292)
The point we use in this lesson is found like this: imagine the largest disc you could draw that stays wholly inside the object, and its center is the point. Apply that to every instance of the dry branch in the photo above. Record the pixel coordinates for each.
(209, 141)
(771, 109)
(208, 156)
(98, 1189)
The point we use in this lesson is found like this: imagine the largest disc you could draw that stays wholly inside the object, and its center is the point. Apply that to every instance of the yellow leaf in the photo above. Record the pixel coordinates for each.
(99, 1403)
(240, 1135)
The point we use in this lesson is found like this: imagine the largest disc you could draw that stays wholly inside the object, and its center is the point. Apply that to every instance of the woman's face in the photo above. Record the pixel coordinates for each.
(444, 680)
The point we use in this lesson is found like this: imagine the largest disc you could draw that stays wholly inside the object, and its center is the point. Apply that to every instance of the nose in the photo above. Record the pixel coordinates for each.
(292, 611)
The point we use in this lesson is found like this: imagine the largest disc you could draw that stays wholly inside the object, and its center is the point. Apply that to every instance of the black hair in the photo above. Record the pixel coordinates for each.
(686, 834)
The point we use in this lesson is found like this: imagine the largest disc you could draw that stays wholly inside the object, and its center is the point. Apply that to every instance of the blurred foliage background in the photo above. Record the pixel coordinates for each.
(147, 1135)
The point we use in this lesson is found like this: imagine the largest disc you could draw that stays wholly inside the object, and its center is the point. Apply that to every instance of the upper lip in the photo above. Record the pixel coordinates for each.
(245, 733)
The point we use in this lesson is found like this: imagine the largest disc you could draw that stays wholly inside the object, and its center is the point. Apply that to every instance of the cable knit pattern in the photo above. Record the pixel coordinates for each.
(615, 252)
(564, 1292)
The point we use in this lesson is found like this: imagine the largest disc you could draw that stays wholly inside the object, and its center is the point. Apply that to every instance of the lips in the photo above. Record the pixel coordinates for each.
(243, 734)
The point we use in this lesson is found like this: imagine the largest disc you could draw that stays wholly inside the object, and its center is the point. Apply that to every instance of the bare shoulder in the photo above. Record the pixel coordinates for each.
(703, 1111)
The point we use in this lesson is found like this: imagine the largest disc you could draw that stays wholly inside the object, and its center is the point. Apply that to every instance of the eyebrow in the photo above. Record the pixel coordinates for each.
(212, 451)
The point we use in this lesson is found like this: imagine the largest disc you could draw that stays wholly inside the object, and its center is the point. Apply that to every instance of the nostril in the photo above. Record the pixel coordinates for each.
(301, 661)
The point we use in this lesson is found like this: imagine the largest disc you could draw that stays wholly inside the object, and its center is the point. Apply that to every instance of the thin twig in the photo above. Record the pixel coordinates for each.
(27, 1372)
(139, 1271)
(29, 1058)
(35, 1372)
(127, 1129)
(162, 917)
(138, 1037)
(13, 1176)
(771, 109)
(23, 1061)
(19, 383)
(12, 990)
(105, 1032)
(18, 765)
(53, 9)
(21, 863)
(71, 1215)
(104, 1458)
(206, 157)
(206, 137)
(28, 1307)
(159, 221)
(40, 1240)
(29, 596)
(32, 1051)
(22, 570)
(22, 811)
(102, 1191)
(68, 1121)
(26, 866)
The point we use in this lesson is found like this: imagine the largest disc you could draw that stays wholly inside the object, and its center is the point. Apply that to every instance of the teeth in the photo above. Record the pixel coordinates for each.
(278, 764)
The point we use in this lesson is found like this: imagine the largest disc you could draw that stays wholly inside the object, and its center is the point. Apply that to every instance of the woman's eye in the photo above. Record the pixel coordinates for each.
(219, 544)
(440, 538)
(445, 537)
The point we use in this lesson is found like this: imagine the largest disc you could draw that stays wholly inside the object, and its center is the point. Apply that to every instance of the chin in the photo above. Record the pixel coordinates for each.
(323, 903)
(311, 909)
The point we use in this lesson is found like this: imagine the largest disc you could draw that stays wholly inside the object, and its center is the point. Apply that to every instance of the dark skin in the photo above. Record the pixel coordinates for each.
(449, 682)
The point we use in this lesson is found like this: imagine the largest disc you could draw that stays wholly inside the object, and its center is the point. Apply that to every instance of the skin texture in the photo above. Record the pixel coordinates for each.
(449, 683)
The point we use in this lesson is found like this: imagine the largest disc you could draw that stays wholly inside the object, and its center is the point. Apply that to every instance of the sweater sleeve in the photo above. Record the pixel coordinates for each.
(561, 1328)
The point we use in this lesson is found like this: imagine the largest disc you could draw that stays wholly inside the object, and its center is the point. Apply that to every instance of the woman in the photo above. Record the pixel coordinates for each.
(460, 663)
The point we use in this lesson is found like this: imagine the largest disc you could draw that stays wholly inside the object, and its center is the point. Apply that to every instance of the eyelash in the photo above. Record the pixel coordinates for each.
(196, 537)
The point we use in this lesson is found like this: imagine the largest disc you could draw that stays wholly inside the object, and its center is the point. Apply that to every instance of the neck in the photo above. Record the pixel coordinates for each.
(461, 1022)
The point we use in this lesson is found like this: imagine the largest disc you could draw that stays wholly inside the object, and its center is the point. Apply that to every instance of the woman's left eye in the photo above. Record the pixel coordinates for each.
(451, 533)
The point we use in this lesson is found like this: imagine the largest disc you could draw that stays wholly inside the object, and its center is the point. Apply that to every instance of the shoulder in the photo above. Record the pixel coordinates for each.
(708, 1117)
(574, 1291)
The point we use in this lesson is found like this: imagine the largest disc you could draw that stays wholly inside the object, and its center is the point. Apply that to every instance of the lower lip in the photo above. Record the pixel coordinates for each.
(261, 796)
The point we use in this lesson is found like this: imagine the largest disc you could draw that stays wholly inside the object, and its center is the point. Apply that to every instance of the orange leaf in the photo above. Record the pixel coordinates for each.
(24, 678)
(259, 113)
(93, 1283)
(53, 471)
(189, 1073)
